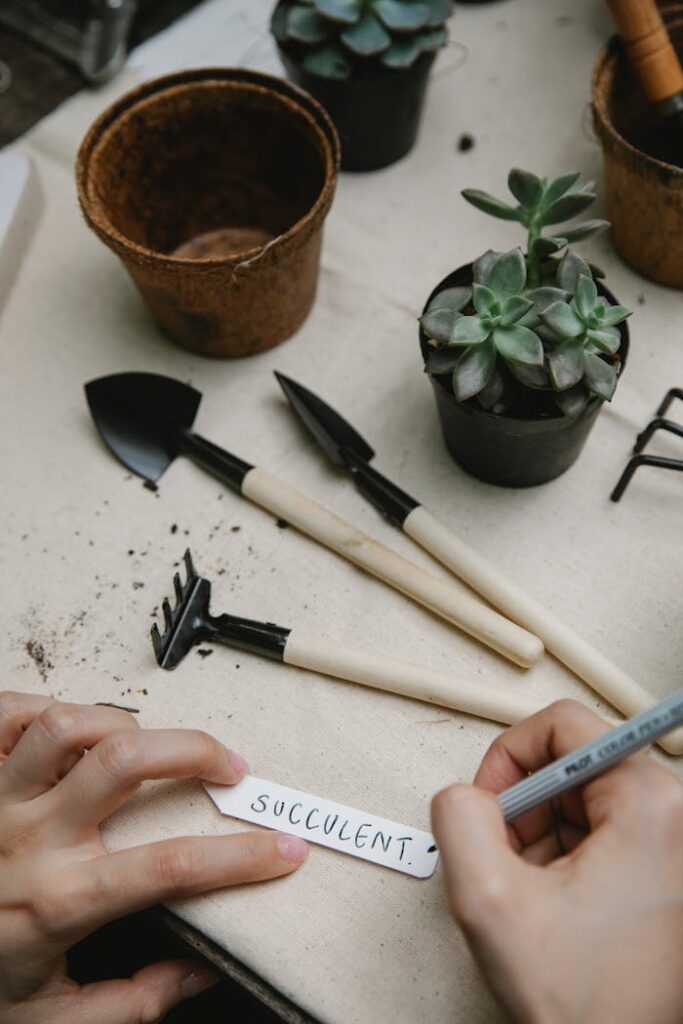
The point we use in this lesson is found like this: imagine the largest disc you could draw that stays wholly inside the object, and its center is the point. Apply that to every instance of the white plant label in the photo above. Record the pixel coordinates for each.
(357, 833)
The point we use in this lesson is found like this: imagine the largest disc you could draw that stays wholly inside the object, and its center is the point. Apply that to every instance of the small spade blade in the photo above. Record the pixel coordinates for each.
(141, 417)
(330, 430)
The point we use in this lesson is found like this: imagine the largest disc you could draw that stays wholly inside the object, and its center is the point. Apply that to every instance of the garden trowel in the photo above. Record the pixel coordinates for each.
(147, 420)
(351, 453)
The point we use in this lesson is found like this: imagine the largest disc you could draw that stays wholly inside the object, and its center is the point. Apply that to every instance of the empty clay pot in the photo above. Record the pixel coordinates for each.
(644, 193)
(212, 186)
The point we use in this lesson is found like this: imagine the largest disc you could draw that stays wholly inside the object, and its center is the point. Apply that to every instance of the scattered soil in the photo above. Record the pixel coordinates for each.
(465, 143)
(36, 652)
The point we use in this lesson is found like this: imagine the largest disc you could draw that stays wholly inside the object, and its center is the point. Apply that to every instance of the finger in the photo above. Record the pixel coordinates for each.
(112, 771)
(529, 746)
(17, 711)
(120, 883)
(484, 877)
(564, 838)
(143, 999)
(54, 742)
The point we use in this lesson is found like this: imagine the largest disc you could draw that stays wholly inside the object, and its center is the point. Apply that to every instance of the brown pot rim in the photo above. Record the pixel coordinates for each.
(601, 82)
(94, 210)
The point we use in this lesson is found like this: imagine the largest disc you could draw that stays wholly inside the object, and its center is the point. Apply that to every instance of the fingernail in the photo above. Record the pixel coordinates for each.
(238, 763)
(292, 848)
(198, 980)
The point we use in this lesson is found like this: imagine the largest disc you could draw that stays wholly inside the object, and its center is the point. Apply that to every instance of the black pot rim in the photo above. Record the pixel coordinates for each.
(520, 427)
(375, 69)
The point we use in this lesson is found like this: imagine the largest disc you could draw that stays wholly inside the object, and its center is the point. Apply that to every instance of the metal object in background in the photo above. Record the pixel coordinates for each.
(656, 461)
(98, 50)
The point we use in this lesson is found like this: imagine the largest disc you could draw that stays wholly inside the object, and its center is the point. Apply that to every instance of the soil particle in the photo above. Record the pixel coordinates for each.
(36, 652)
(465, 143)
(204, 652)
(282, 524)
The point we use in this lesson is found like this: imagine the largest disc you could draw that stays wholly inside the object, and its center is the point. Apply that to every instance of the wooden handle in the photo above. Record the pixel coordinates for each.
(464, 611)
(648, 47)
(320, 654)
(560, 639)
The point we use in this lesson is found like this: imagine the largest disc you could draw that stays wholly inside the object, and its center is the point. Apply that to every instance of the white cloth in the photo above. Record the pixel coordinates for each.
(87, 553)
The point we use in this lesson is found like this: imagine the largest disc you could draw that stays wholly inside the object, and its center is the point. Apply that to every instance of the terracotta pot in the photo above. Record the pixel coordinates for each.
(644, 193)
(212, 186)
(506, 450)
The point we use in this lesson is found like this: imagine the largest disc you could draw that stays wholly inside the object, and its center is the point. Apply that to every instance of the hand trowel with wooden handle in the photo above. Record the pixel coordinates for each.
(350, 452)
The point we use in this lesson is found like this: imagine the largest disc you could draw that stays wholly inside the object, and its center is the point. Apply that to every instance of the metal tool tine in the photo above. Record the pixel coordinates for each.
(189, 567)
(156, 643)
(179, 592)
(168, 615)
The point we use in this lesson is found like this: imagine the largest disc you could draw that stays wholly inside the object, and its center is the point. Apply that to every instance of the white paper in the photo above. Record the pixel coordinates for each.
(357, 833)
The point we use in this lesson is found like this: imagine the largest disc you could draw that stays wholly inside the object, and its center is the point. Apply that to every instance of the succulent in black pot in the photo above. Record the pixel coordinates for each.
(367, 62)
(523, 348)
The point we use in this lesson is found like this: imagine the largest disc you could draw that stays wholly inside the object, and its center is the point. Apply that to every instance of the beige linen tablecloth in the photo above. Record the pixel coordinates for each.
(87, 552)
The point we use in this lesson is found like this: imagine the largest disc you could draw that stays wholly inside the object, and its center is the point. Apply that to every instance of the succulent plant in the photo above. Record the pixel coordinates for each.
(529, 322)
(335, 35)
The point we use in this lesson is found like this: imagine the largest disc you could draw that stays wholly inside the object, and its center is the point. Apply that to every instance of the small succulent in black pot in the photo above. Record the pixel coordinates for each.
(523, 347)
(367, 61)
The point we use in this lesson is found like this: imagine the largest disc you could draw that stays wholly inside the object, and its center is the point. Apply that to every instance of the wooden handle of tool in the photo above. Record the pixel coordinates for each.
(331, 658)
(577, 654)
(462, 610)
(648, 47)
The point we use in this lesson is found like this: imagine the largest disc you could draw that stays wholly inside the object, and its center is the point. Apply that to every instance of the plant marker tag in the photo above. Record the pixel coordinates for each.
(326, 823)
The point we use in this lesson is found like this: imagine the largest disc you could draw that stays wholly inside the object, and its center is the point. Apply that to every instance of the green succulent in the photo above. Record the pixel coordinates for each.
(333, 35)
(542, 202)
(528, 322)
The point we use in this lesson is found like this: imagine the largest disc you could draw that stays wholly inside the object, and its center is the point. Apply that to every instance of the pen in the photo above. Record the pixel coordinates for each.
(593, 758)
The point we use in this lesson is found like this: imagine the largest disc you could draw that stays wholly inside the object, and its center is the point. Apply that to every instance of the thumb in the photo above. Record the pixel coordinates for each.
(482, 872)
(143, 999)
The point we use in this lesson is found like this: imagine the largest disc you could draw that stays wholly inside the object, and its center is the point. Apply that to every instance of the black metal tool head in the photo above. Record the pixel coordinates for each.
(141, 417)
(330, 430)
(188, 623)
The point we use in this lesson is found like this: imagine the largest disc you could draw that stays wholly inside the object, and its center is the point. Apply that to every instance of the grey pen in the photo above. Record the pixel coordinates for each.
(593, 758)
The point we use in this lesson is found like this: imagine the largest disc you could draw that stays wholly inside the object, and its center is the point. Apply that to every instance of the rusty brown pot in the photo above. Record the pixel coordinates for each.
(212, 186)
(644, 193)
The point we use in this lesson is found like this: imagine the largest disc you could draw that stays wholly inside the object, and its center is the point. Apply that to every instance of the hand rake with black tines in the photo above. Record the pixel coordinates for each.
(190, 623)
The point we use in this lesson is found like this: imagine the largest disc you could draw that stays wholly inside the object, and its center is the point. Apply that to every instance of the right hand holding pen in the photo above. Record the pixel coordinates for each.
(574, 911)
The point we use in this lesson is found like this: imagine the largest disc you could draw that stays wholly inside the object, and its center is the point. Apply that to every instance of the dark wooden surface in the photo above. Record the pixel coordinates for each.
(40, 80)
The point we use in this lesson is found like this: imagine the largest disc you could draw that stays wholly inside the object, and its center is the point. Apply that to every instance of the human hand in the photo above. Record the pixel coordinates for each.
(574, 911)
(57, 881)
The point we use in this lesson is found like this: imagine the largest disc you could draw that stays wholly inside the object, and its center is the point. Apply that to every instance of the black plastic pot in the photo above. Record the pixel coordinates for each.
(376, 111)
(504, 450)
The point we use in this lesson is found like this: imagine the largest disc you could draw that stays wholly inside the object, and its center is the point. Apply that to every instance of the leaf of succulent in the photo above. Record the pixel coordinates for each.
(573, 401)
(489, 204)
(599, 377)
(586, 300)
(518, 344)
(566, 364)
(605, 339)
(535, 377)
(439, 324)
(443, 359)
(367, 37)
(439, 12)
(482, 267)
(545, 296)
(432, 39)
(566, 207)
(328, 62)
(469, 330)
(559, 186)
(508, 274)
(484, 300)
(570, 267)
(278, 22)
(615, 315)
(546, 245)
(473, 370)
(493, 390)
(514, 309)
(346, 12)
(305, 25)
(451, 298)
(526, 187)
(402, 53)
(562, 319)
(400, 16)
(585, 229)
